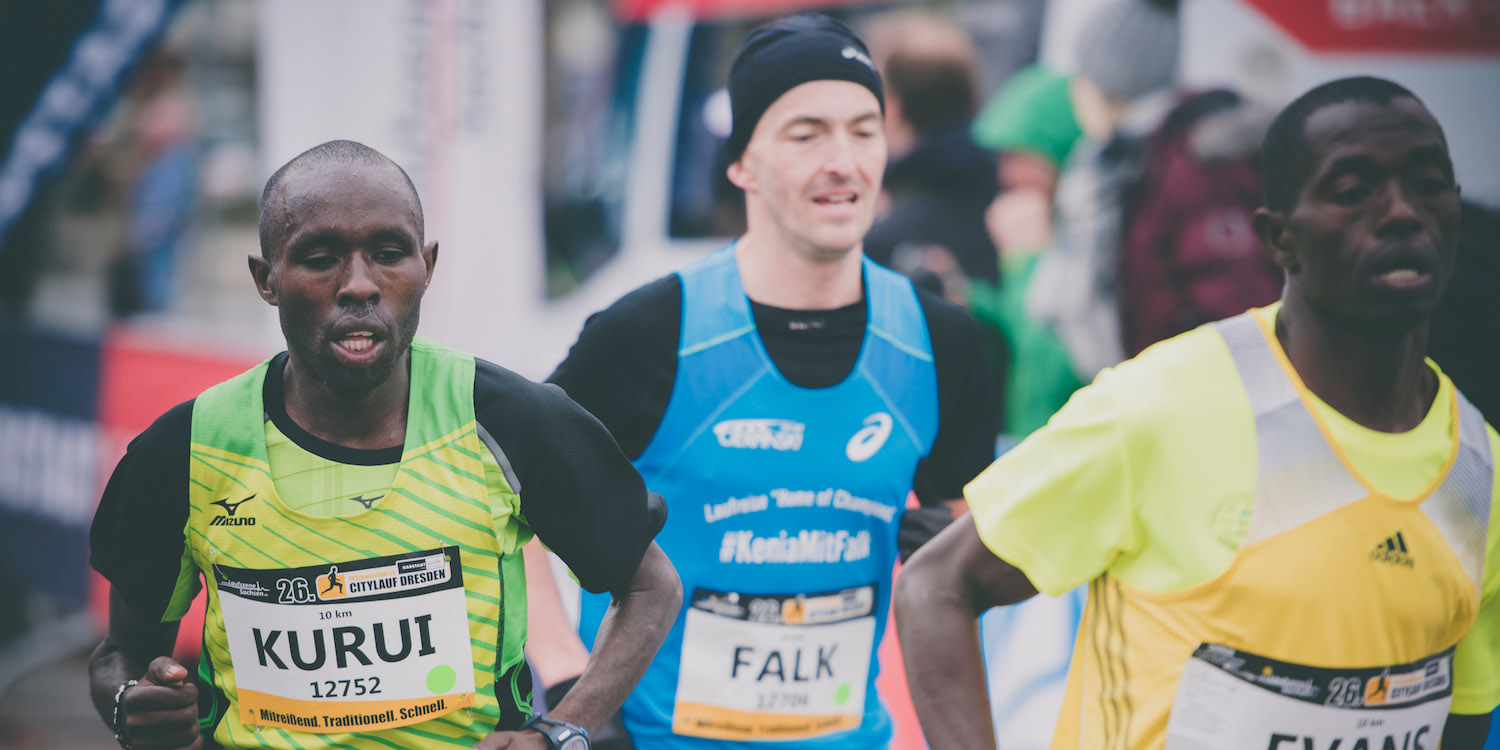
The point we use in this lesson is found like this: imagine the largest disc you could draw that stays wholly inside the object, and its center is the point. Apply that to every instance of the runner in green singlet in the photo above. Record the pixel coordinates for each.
(355, 508)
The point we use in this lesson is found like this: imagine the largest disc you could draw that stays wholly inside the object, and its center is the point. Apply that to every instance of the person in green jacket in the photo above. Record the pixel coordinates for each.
(1032, 124)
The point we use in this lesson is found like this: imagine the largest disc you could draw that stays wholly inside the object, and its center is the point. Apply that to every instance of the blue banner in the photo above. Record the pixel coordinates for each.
(76, 97)
(49, 459)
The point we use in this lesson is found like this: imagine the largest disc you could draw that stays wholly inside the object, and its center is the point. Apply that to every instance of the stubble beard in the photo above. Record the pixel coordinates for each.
(315, 348)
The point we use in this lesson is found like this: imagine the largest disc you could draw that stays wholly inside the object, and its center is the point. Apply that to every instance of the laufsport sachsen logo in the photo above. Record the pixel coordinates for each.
(760, 434)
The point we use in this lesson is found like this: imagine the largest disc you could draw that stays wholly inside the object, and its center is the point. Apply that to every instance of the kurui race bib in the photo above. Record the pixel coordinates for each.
(359, 645)
(1232, 700)
(774, 667)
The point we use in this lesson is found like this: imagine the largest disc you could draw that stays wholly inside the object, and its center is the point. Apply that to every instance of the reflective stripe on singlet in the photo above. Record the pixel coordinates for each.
(1336, 619)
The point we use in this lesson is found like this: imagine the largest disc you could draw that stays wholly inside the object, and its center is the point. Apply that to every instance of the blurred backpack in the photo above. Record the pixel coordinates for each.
(1189, 254)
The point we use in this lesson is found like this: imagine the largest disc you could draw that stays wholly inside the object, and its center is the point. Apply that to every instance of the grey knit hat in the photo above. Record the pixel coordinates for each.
(1129, 48)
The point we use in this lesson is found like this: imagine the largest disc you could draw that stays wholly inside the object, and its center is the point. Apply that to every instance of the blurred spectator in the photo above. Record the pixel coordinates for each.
(1031, 123)
(1189, 254)
(938, 181)
(1127, 62)
(161, 192)
(1465, 334)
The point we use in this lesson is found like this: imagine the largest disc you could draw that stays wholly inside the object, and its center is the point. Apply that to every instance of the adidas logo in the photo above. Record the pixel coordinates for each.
(1393, 550)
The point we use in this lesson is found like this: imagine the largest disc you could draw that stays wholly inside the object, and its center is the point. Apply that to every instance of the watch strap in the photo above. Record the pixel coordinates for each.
(550, 728)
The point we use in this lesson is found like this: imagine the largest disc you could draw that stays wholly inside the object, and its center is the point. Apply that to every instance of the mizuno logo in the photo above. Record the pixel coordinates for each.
(232, 508)
(1393, 550)
(366, 501)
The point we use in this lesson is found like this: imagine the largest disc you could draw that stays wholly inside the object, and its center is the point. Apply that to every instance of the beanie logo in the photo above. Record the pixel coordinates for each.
(853, 53)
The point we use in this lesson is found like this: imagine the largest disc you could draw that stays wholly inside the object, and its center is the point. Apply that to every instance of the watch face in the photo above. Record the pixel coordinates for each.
(575, 742)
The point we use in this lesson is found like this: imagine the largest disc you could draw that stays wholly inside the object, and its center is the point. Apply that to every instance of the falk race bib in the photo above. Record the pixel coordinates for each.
(774, 667)
(359, 645)
(1232, 700)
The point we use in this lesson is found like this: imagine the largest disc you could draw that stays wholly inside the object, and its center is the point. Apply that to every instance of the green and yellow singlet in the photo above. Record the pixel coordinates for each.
(356, 606)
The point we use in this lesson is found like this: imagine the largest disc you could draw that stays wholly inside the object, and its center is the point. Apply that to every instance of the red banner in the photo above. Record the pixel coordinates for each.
(636, 11)
(1413, 26)
(140, 380)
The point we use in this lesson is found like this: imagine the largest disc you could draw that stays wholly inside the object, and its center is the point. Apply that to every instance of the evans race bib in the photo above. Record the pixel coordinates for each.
(1232, 700)
(359, 645)
(774, 667)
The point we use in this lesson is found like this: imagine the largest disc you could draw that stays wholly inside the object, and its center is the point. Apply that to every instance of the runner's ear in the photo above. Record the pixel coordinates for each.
(740, 176)
(265, 282)
(1270, 226)
(430, 257)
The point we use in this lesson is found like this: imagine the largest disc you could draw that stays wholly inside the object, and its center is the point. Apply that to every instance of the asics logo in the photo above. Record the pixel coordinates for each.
(870, 438)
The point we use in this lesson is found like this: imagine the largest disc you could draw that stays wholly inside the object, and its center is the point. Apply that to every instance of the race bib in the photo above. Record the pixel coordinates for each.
(774, 667)
(1232, 700)
(360, 645)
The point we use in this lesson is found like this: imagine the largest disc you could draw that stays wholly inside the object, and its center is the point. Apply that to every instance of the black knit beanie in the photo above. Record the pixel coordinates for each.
(788, 52)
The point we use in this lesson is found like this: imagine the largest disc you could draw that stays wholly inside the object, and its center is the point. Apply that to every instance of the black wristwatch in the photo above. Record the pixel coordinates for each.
(561, 734)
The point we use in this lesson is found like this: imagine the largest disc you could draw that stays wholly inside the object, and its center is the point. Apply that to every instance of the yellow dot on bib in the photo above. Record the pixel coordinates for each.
(441, 679)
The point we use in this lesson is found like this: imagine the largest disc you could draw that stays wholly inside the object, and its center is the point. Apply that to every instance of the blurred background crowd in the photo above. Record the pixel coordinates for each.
(1079, 174)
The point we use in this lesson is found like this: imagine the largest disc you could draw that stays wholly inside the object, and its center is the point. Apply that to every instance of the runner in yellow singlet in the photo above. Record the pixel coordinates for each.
(1285, 518)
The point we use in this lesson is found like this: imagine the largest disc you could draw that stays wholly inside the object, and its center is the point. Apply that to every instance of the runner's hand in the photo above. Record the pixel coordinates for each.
(161, 711)
(527, 740)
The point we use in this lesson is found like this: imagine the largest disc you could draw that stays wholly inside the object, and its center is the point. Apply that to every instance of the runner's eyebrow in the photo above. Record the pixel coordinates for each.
(818, 122)
(1432, 155)
(823, 122)
(1351, 164)
(306, 242)
(391, 235)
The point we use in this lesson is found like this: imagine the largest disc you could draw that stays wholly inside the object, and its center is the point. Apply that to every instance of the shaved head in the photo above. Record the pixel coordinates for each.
(275, 210)
(1286, 153)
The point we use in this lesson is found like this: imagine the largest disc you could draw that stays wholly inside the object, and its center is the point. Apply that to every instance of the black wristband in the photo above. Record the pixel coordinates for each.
(122, 735)
(556, 692)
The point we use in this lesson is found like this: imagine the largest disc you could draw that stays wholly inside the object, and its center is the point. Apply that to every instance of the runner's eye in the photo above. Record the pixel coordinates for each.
(1431, 185)
(1349, 191)
(320, 262)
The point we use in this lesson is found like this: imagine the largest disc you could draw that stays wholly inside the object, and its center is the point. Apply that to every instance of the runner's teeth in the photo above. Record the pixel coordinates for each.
(1401, 274)
(357, 343)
